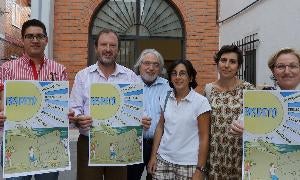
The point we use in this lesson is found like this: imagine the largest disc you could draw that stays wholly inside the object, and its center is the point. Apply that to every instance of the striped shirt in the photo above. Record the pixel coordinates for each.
(79, 98)
(24, 69)
(152, 97)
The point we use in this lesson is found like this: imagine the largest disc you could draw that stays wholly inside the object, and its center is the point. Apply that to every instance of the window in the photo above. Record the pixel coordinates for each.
(16, 14)
(139, 17)
(141, 24)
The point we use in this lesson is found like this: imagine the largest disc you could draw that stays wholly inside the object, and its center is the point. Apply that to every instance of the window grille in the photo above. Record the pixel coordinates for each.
(248, 45)
(136, 21)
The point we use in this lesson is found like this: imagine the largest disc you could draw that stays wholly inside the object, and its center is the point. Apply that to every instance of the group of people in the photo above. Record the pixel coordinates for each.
(186, 135)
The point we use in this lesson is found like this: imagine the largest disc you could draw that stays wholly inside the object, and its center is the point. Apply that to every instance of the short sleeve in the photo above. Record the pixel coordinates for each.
(204, 106)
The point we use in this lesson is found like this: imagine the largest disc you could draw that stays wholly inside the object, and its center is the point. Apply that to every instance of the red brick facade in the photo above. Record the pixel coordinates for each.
(72, 21)
(11, 44)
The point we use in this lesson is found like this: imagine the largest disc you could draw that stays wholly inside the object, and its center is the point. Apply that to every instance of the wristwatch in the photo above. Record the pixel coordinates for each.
(202, 169)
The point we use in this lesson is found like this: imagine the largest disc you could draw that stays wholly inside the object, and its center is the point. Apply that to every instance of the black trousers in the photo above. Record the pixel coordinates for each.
(134, 172)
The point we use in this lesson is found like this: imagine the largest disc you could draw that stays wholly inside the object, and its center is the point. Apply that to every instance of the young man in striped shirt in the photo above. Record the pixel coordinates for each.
(33, 65)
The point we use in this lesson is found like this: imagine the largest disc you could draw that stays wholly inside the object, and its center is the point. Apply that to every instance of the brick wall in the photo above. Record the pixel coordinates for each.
(72, 19)
(11, 43)
(2, 19)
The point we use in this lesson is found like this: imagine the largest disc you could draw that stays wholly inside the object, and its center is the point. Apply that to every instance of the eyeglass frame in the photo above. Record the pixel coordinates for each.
(180, 74)
(38, 37)
(282, 67)
(148, 64)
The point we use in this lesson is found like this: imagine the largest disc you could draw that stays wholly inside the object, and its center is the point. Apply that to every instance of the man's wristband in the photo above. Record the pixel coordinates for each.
(202, 169)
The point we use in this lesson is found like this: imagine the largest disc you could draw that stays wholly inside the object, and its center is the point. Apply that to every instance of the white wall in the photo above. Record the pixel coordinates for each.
(43, 10)
(277, 23)
(230, 7)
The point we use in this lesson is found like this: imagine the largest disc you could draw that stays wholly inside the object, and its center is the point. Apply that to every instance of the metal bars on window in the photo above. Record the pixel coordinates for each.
(127, 54)
(136, 21)
(248, 45)
(139, 18)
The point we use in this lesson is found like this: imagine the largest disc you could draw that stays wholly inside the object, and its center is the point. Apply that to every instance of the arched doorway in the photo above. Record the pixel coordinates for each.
(140, 24)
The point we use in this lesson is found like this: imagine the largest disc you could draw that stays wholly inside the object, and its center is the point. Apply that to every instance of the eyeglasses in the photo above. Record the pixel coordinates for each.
(180, 74)
(282, 67)
(148, 64)
(38, 37)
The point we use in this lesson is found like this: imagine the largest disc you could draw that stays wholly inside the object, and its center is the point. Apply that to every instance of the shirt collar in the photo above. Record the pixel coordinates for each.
(94, 68)
(188, 98)
(28, 60)
(118, 70)
(158, 80)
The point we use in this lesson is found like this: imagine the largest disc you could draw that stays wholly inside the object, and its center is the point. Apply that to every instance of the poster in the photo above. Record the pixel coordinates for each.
(116, 136)
(36, 130)
(272, 135)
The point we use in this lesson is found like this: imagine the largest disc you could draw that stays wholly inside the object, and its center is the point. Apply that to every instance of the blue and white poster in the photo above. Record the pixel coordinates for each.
(272, 135)
(116, 135)
(36, 136)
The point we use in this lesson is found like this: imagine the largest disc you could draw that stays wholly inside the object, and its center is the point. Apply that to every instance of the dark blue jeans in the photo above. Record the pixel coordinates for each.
(134, 172)
(46, 176)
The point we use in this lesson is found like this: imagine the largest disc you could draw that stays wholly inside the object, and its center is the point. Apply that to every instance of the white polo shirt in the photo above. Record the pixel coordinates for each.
(180, 141)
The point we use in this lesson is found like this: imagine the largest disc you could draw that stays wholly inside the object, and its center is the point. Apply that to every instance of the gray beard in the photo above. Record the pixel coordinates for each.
(149, 79)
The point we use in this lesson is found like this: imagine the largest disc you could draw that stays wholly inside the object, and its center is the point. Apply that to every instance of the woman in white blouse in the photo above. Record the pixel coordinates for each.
(181, 138)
